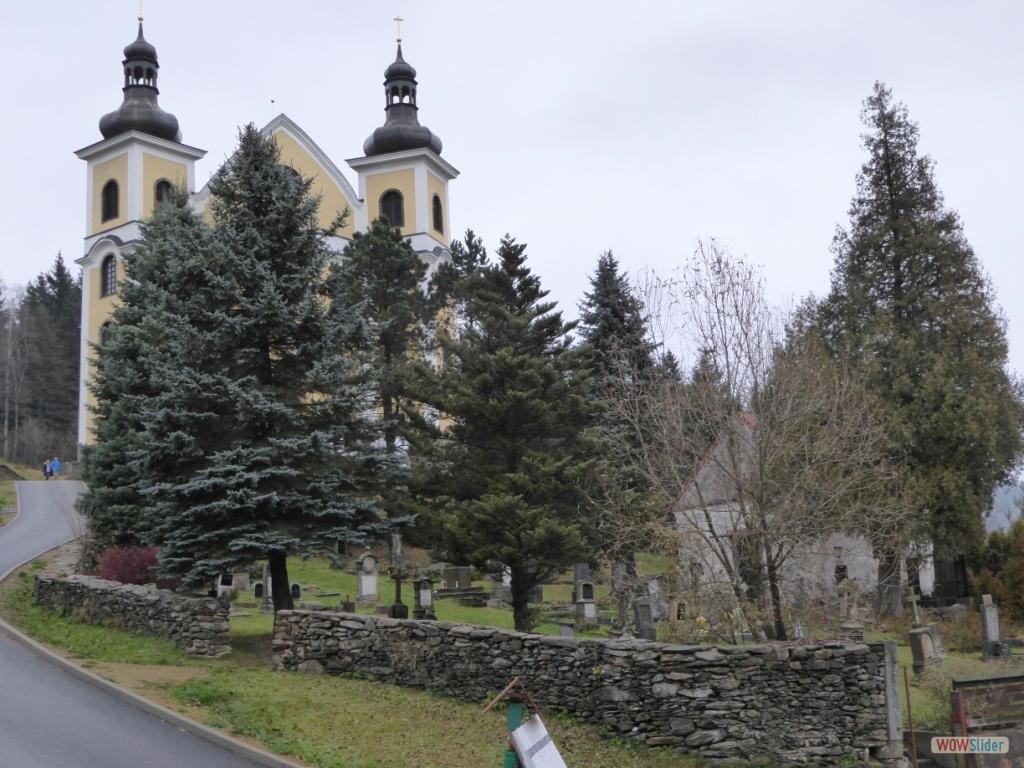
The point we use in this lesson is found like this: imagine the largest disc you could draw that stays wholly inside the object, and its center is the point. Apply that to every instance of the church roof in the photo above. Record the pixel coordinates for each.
(401, 129)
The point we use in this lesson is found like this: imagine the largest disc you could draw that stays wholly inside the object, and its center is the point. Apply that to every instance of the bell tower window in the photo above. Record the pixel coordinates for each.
(108, 275)
(438, 215)
(392, 208)
(162, 191)
(109, 195)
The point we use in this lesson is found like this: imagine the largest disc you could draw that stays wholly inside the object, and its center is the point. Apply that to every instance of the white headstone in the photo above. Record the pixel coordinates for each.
(366, 579)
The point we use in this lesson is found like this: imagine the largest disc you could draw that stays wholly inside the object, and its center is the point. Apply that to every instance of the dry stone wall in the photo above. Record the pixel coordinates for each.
(802, 704)
(197, 624)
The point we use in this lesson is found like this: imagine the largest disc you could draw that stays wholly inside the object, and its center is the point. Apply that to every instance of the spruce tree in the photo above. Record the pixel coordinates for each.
(382, 273)
(612, 322)
(911, 305)
(255, 437)
(614, 341)
(162, 273)
(516, 395)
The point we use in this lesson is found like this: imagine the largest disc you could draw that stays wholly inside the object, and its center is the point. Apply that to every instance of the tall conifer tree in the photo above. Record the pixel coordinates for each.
(253, 426)
(615, 342)
(910, 303)
(382, 273)
(517, 397)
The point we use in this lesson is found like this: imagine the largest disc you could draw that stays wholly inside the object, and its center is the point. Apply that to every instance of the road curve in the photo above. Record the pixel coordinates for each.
(49, 718)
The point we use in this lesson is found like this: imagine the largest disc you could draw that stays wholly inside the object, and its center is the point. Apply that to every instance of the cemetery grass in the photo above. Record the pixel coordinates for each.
(329, 722)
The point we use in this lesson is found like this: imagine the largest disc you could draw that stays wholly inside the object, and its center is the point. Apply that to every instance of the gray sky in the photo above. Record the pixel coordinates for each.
(578, 127)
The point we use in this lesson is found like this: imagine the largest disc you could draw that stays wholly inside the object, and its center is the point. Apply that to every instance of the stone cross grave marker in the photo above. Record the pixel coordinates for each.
(915, 615)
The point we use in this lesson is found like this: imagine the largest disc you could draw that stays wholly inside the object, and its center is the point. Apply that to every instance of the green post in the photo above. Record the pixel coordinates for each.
(515, 719)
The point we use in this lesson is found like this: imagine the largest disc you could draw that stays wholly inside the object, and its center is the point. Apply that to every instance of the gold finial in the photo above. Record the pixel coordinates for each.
(398, 28)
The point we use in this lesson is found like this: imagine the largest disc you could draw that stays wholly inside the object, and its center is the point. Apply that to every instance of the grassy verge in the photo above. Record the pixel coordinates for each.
(328, 722)
(9, 474)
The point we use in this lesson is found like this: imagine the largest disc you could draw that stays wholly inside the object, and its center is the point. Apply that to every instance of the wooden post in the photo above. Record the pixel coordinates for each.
(515, 719)
(910, 718)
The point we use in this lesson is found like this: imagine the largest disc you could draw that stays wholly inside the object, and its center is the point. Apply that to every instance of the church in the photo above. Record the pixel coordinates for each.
(400, 177)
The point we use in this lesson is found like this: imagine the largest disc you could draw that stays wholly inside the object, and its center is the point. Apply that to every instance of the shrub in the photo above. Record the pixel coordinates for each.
(129, 565)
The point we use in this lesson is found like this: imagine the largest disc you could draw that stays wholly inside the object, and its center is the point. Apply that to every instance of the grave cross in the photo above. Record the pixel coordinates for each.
(912, 599)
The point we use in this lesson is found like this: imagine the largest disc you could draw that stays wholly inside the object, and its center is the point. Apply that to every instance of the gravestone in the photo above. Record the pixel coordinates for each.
(991, 645)
(366, 579)
(586, 606)
(458, 577)
(257, 590)
(267, 606)
(643, 619)
(296, 591)
(933, 630)
(566, 631)
(659, 606)
(580, 572)
(536, 594)
(501, 596)
(922, 647)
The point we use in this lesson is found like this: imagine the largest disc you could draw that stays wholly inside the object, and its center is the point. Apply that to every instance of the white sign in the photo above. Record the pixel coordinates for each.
(534, 746)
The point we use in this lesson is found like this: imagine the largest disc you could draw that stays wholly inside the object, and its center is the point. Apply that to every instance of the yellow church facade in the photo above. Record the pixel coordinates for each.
(400, 177)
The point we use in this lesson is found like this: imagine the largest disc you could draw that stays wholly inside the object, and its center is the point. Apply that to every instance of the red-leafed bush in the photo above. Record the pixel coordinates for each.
(129, 565)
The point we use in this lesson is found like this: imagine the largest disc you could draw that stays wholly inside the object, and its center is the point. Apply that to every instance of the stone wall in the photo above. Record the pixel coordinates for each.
(197, 624)
(815, 704)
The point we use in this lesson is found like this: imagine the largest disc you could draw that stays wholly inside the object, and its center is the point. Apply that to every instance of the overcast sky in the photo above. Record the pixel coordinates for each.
(578, 127)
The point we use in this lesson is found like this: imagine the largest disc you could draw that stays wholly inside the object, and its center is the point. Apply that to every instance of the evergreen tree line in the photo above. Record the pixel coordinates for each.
(39, 355)
(257, 399)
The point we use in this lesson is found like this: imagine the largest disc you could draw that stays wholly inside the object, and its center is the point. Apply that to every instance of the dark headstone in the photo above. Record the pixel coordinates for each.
(257, 589)
(644, 619)
(581, 572)
(296, 592)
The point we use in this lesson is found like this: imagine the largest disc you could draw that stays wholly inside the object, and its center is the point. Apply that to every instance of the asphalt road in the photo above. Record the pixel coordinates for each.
(49, 719)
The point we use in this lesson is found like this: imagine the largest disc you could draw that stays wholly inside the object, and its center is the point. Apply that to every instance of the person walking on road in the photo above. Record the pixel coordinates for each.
(54, 466)
(47, 469)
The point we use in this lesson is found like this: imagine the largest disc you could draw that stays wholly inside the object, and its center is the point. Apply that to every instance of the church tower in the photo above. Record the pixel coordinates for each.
(402, 176)
(139, 160)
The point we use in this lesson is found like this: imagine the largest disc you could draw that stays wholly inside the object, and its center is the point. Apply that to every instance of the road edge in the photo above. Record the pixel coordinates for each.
(233, 745)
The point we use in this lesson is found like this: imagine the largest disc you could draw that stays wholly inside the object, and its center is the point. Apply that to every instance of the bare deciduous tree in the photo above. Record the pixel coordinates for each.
(770, 447)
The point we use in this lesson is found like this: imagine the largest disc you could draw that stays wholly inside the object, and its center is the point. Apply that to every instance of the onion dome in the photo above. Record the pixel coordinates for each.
(401, 129)
(140, 111)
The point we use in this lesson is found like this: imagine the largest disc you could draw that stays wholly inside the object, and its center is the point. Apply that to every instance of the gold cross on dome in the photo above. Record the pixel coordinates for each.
(398, 28)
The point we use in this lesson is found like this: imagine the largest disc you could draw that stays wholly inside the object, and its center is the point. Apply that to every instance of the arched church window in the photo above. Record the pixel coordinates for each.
(438, 215)
(108, 275)
(109, 196)
(392, 208)
(163, 190)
